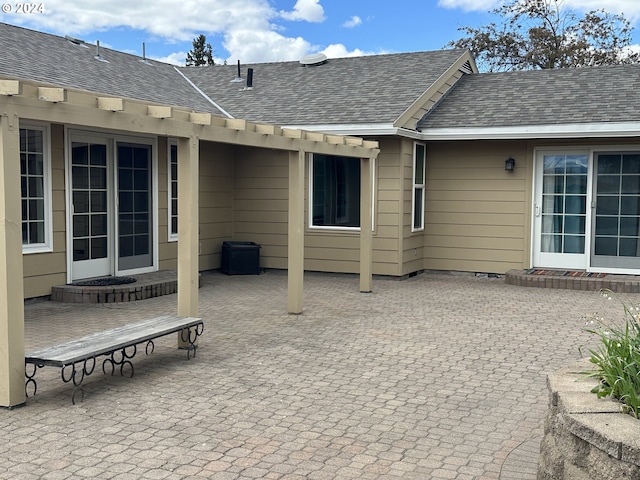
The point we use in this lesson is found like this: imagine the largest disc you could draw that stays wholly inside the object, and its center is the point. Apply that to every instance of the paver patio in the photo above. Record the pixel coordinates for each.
(437, 376)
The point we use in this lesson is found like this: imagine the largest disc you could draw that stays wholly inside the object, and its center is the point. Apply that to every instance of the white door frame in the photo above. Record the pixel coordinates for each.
(578, 261)
(592, 150)
(112, 139)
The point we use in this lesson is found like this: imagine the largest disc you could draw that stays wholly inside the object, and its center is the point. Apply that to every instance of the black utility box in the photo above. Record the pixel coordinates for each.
(240, 258)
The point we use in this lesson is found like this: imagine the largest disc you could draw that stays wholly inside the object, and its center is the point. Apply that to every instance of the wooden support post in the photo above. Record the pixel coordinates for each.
(366, 220)
(188, 225)
(12, 392)
(296, 232)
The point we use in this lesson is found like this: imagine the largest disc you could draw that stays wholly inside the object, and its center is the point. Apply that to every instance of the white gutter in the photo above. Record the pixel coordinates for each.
(569, 130)
(205, 96)
(525, 132)
(359, 130)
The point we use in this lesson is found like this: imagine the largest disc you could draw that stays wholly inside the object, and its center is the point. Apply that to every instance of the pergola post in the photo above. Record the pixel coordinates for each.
(295, 269)
(188, 241)
(12, 391)
(366, 220)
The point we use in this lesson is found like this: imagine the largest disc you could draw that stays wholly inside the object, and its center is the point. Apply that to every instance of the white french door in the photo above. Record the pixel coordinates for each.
(587, 210)
(561, 213)
(111, 223)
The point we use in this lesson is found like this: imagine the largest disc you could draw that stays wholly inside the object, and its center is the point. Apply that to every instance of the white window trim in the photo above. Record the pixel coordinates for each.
(418, 186)
(336, 228)
(47, 245)
(171, 237)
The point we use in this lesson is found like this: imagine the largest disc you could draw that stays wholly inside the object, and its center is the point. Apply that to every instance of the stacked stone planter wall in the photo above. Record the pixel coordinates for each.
(586, 438)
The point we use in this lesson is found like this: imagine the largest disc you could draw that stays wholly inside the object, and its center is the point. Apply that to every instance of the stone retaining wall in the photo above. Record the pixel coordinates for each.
(586, 438)
(615, 283)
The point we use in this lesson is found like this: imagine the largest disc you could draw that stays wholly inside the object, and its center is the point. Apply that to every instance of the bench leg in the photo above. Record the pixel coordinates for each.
(30, 381)
(190, 336)
(73, 373)
(123, 360)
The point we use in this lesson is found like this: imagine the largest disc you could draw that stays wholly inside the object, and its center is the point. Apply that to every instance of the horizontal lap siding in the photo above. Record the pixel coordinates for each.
(476, 213)
(261, 209)
(388, 204)
(413, 242)
(216, 201)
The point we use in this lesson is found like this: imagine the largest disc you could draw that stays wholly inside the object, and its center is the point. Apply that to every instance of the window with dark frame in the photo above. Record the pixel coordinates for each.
(335, 191)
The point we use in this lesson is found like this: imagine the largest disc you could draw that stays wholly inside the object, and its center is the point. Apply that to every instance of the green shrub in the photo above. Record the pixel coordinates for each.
(617, 357)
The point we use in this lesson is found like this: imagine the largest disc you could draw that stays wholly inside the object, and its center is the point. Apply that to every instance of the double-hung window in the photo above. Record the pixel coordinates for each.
(172, 169)
(335, 187)
(419, 160)
(35, 186)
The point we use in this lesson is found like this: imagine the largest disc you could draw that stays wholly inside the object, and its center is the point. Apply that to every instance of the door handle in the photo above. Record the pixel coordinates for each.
(537, 210)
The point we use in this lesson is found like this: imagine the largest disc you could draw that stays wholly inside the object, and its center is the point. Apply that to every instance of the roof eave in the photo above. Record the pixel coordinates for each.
(526, 132)
(359, 130)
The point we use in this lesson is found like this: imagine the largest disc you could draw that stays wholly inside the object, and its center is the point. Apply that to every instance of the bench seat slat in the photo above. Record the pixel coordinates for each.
(107, 341)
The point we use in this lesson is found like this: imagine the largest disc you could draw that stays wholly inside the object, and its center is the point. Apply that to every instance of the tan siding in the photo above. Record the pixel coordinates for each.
(387, 243)
(412, 242)
(476, 212)
(261, 192)
(216, 201)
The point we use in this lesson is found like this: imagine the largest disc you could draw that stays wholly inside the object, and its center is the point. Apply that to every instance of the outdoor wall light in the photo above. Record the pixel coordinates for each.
(509, 164)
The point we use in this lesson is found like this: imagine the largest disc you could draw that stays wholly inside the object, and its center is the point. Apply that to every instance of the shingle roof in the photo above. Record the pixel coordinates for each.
(359, 90)
(31, 55)
(540, 97)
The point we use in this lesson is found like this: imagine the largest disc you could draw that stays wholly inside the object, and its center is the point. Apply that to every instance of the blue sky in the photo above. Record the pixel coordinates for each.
(271, 30)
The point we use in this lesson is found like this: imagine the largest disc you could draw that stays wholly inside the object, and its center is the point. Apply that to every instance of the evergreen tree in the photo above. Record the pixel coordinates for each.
(201, 54)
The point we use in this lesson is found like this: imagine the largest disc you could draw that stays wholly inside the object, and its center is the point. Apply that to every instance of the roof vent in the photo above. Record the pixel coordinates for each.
(238, 79)
(144, 55)
(97, 56)
(75, 41)
(313, 60)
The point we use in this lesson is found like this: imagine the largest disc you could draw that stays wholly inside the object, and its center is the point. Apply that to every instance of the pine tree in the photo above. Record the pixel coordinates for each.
(201, 54)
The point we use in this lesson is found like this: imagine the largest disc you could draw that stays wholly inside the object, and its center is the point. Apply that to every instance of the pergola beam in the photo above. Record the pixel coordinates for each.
(81, 108)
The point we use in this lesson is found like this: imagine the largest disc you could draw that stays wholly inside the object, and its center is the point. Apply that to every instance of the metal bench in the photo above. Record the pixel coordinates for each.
(77, 358)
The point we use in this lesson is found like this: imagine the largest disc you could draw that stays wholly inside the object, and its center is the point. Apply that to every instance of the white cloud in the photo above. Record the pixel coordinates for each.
(307, 10)
(167, 19)
(631, 8)
(177, 58)
(470, 5)
(338, 50)
(251, 46)
(352, 22)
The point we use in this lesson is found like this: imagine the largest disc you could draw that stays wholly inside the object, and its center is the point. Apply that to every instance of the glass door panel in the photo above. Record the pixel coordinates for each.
(89, 209)
(561, 211)
(616, 235)
(135, 240)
